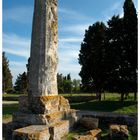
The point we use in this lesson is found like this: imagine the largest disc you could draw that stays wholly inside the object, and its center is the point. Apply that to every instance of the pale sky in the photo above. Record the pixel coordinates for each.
(74, 17)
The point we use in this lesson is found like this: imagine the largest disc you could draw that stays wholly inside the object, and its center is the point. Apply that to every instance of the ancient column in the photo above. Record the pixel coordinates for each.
(43, 57)
(42, 100)
(43, 109)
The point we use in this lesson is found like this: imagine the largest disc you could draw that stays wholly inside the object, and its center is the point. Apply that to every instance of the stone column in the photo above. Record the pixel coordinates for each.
(43, 57)
(43, 106)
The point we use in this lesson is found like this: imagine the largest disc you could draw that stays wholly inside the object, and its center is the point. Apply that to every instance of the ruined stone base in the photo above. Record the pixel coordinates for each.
(46, 112)
(38, 132)
(42, 132)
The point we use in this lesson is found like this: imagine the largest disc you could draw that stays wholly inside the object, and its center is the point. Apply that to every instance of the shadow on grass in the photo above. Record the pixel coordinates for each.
(105, 106)
(8, 109)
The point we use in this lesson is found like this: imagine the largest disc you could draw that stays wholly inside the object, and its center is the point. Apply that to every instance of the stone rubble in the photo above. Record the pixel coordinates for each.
(118, 131)
(89, 122)
(94, 134)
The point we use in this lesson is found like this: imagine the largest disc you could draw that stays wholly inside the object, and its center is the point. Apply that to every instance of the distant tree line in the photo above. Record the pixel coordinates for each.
(21, 84)
(7, 84)
(67, 85)
(108, 54)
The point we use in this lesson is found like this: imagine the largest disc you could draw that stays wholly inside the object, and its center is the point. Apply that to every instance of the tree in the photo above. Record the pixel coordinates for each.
(122, 51)
(115, 57)
(60, 83)
(21, 84)
(67, 84)
(131, 42)
(75, 85)
(92, 57)
(6, 73)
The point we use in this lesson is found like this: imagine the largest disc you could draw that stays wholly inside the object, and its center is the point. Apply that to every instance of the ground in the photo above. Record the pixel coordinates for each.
(110, 104)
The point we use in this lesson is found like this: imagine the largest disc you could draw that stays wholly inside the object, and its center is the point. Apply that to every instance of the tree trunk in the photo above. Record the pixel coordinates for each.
(104, 95)
(122, 97)
(99, 96)
(135, 96)
(126, 95)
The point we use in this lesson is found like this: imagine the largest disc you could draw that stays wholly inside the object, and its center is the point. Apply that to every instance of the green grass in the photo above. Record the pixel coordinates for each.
(8, 108)
(13, 95)
(77, 94)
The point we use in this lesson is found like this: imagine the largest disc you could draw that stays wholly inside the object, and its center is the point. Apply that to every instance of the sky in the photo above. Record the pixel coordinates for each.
(74, 17)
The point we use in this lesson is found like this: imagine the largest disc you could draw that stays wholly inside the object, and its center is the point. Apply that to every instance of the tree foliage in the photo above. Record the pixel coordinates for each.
(108, 55)
(91, 57)
(21, 84)
(131, 41)
(66, 84)
(6, 74)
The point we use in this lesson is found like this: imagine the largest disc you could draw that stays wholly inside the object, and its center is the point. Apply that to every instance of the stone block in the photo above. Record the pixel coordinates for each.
(23, 103)
(95, 133)
(86, 137)
(71, 115)
(59, 130)
(33, 132)
(55, 117)
(118, 131)
(63, 104)
(89, 122)
(31, 119)
(49, 104)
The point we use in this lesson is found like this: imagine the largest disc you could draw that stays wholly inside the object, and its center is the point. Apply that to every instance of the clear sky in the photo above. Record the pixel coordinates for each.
(74, 17)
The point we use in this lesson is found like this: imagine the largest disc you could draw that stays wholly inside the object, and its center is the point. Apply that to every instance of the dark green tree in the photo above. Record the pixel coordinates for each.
(131, 42)
(6, 74)
(92, 57)
(21, 84)
(115, 61)
(60, 84)
(68, 84)
(64, 83)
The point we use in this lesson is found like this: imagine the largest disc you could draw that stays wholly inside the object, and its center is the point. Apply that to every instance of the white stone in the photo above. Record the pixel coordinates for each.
(43, 57)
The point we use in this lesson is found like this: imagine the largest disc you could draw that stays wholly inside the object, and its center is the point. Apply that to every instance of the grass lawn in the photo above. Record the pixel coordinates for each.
(12, 95)
(107, 106)
(8, 108)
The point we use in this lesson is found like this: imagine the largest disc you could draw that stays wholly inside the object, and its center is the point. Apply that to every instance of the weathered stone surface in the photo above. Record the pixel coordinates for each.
(86, 137)
(118, 131)
(49, 104)
(95, 133)
(44, 119)
(89, 123)
(59, 130)
(43, 58)
(71, 115)
(33, 132)
(55, 117)
(31, 119)
(23, 103)
(63, 104)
